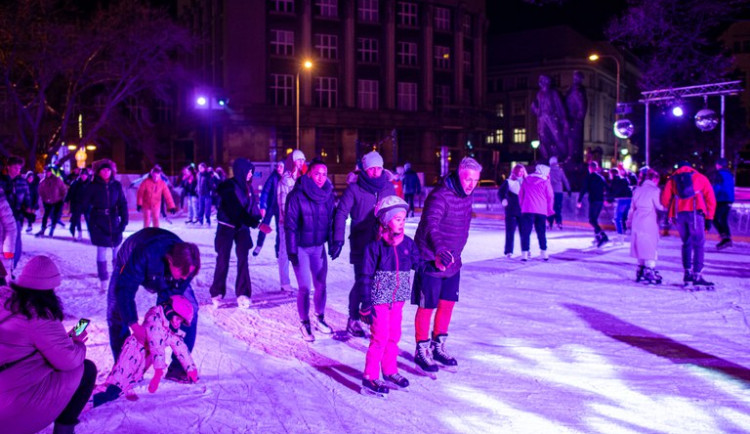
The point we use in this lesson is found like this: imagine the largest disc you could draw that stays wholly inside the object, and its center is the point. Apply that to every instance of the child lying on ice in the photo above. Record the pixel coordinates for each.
(161, 325)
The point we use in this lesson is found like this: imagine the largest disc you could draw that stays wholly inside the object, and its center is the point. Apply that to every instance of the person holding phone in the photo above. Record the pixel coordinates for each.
(44, 374)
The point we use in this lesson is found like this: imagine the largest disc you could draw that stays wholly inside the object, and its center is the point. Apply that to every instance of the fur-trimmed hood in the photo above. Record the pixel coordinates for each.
(97, 165)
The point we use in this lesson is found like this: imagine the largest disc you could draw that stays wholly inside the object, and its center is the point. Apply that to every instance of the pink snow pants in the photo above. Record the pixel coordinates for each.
(386, 332)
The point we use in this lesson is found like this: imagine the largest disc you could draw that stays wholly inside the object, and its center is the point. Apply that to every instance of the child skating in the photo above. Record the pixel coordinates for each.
(388, 262)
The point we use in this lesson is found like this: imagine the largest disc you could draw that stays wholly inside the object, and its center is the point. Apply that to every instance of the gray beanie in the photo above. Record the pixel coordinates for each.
(388, 207)
(372, 159)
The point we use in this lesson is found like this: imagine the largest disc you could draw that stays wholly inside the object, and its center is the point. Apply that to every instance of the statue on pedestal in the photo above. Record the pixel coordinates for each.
(577, 105)
(552, 121)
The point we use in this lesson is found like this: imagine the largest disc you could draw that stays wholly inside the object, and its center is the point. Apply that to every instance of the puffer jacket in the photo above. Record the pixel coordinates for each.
(34, 391)
(309, 215)
(445, 224)
(106, 208)
(52, 189)
(704, 199)
(18, 193)
(536, 195)
(239, 203)
(724, 186)
(150, 193)
(359, 200)
(386, 272)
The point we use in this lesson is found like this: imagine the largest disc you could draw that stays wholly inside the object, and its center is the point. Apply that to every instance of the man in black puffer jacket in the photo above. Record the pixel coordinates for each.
(441, 236)
(238, 212)
(359, 200)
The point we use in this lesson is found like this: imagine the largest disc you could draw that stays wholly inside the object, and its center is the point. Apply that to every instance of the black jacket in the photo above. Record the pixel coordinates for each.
(107, 211)
(514, 205)
(620, 188)
(76, 195)
(595, 186)
(18, 194)
(309, 215)
(206, 184)
(238, 206)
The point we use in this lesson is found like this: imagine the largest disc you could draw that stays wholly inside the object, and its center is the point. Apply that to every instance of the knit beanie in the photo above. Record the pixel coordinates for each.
(298, 155)
(388, 207)
(552, 161)
(39, 273)
(372, 159)
(542, 170)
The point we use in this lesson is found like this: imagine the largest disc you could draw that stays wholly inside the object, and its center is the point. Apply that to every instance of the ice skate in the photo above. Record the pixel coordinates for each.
(306, 331)
(243, 302)
(354, 328)
(687, 278)
(374, 388)
(639, 273)
(723, 244)
(321, 325)
(525, 256)
(544, 255)
(509, 255)
(256, 250)
(601, 239)
(701, 284)
(651, 277)
(440, 355)
(397, 380)
(423, 359)
(29, 229)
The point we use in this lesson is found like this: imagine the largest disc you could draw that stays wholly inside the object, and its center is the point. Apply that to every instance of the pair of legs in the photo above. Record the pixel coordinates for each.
(225, 237)
(355, 294)
(511, 223)
(282, 258)
(75, 222)
(69, 416)
(409, 199)
(539, 223)
(101, 261)
(433, 293)
(595, 209)
(151, 217)
(557, 207)
(52, 211)
(621, 214)
(311, 272)
(386, 333)
(204, 209)
(192, 202)
(691, 226)
(721, 220)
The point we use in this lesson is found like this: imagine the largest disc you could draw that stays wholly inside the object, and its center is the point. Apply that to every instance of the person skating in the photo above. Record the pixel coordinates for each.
(723, 185)
(412, 187)
(190, 191)
(206, 187)
(19, 198)
(164, 265)
(75, 196)
(560, 184)
(386, 285)
(441, 236)
(358, 201)
(238, 212)
(52, 191)
(294, 167)
(621, 195)
(308, 226)
(149, 197)
(596, 187)
(508, 194)
(691, 203)
(537, 199)
(644, 224)
(33, 183)
(269, 209)
(161, 327)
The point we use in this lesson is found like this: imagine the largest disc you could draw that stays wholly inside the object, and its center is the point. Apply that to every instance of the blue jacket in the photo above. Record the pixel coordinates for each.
(268, 199)
(411, 182)
(142, 262)
(386, 272)
(723, 184)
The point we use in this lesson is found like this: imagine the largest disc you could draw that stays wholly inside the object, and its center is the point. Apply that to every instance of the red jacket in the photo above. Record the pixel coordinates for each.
(704, 199)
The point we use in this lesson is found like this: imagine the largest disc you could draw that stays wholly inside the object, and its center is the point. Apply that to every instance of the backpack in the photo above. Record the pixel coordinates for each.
(683, 183)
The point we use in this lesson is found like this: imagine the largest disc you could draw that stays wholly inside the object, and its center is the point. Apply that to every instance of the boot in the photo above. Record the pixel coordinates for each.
(639, 273)
(354, 328)
(423, 357)
(687, 277)
(101, 270)
(63, 429)
(438, 351)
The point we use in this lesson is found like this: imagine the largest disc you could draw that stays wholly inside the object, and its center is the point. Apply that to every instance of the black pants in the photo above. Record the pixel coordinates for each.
(511, 223)
(53, 211)
(409, 199)
(355, 294)
(70, 413)
(225, 237)
(721, 219)
(75, 222)
(539, 223)
(595, 208)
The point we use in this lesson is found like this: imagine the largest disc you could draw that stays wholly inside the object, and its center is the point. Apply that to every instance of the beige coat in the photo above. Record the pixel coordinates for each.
(643, 221)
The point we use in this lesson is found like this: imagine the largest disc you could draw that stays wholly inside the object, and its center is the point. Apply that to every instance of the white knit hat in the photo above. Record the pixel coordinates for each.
(39, 273)
(542, 170)
(372, 159)
(388, 207)
(298, 155)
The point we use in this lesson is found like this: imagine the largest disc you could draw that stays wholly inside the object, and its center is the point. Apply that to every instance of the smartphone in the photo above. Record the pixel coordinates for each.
(81, 326)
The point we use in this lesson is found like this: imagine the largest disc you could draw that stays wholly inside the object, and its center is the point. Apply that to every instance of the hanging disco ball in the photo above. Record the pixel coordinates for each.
(706, 120)
(623, 128)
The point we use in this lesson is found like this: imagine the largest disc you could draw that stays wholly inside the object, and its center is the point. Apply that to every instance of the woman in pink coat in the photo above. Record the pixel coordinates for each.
(645, 227)
(44, 374)
(537, 200)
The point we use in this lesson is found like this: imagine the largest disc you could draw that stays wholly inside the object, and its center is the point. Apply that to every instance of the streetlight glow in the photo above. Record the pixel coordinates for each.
(201, 101)
(593, 57)
(307, 64)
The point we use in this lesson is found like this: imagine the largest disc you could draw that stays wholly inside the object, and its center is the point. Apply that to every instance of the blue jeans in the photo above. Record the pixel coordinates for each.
(621, 214)
(691, 226)
(192, 208)
(311, 272)
(204, 209)
(539, 223)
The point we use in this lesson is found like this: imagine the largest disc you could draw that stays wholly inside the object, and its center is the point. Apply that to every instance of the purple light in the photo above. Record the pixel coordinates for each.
(677, 111)
(201, 101)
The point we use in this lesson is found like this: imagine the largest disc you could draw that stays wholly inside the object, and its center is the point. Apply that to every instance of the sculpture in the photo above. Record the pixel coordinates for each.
(552, 122)
(577, 105)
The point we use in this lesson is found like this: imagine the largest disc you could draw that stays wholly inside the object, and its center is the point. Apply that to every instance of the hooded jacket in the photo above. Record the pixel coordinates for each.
(309, 215)
(150, 193)
(238, 204)
(724, 186)
(536, 195)
(106, 208)
(704, 199)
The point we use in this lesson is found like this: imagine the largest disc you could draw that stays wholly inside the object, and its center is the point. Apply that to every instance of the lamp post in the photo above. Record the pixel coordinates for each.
(307, 64)
(535, 144)
(595, 57)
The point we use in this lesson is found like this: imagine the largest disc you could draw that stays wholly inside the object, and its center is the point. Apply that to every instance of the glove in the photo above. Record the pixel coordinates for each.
(154, 384)
(366, 316)
(446, 257)
(266, 229)
(294, 259)
(173, 211)
(708, 224)
(504, 203)
(139, 332)
(335, 249)
(255, 221)
(193, 375)
(138, 208)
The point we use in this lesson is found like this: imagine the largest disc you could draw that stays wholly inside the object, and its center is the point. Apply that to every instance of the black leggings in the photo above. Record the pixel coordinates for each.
(69, 415)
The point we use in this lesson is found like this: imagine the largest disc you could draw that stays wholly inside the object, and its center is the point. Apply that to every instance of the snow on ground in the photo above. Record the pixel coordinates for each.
(570, 345)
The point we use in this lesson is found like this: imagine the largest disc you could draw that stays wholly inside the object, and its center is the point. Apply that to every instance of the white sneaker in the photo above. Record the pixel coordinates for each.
(545, 255)
(321, 325)
(243, 302)
(217, 301)
(509, 255)
(525, 256)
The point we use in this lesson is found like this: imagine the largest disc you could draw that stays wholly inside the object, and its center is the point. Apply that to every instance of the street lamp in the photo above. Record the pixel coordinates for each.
(535, 144)
(595, 57)
(307, 64)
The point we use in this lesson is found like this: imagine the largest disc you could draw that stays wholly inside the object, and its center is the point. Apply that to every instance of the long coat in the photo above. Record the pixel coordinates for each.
(150, 194)
(644, 222)
(107, 211)
(35, 391)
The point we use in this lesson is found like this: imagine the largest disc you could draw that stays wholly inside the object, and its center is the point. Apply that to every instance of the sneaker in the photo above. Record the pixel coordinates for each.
(438, 351)
(354, 328)
(243, 302)
(217, 301)
(321, 325)
(306, 331)
(545, 255)
(256, 250)
(397, 379)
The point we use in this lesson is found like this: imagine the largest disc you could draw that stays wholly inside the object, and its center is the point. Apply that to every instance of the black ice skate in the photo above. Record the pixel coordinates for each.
(723, 244)
(397, 380)
(423, 358)
(441, 356)
(374, 388)
(601, 239)
(701, 284)
(639, 273)
(354, 328)
(687, 278)
(651, 277)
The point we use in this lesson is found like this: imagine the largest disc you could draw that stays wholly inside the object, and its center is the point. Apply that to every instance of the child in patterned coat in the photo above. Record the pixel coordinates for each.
(388, 262)
(162, 325)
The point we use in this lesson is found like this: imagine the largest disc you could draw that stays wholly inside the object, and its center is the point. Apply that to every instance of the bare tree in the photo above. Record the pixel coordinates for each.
(59, 62)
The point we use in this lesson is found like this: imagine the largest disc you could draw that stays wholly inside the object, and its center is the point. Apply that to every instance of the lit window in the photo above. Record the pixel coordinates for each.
(326, 91)
(367, 11)
(519, 135)
(282, 6)
(281, 89)
(407, 53)
(467, 61)
(499, 110)
(326, 46)
(407, 14)
(499, 136)
(327, 8)
(367, 94)
(442, 18)
(407, 96)
(367, 50)
(490, 139)
(442, 57)
(282, 42)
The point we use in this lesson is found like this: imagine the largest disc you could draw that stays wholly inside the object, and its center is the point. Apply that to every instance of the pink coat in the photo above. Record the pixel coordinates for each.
(536, 195)
(643, 221)
(35, 391)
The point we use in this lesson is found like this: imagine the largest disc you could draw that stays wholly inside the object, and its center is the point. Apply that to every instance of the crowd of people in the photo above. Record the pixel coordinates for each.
(310, 226)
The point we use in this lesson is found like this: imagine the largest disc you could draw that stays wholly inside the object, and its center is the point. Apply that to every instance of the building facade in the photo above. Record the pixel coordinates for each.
(404, 77)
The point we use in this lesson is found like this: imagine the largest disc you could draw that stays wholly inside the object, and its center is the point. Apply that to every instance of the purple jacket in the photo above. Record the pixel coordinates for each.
(536, 195)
